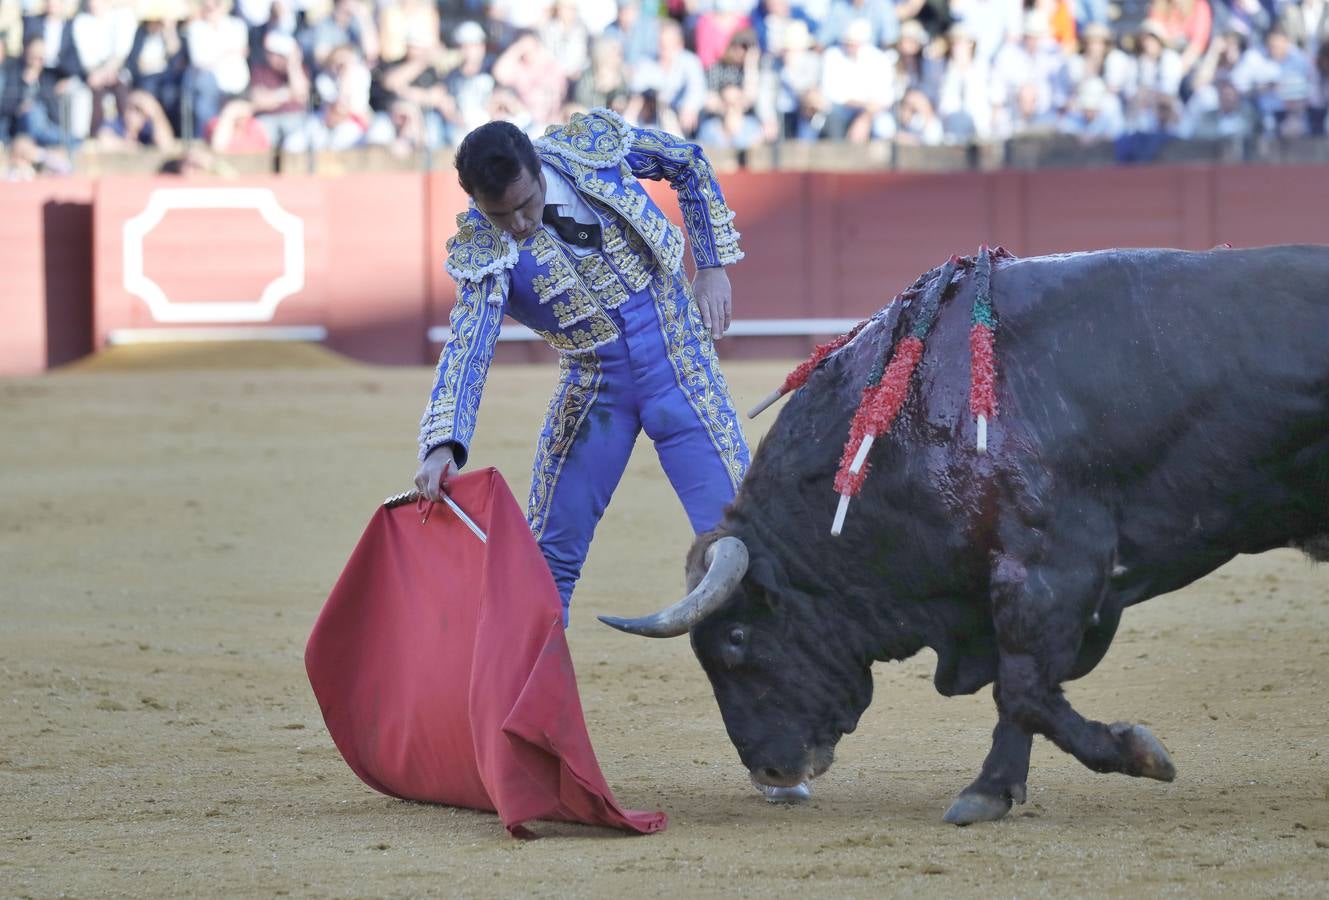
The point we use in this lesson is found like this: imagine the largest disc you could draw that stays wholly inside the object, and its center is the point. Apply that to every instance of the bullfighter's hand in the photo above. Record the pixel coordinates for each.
(432, 477)
(714, 299)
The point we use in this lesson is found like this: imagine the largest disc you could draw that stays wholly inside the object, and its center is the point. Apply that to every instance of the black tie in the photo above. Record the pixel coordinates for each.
(570, 230)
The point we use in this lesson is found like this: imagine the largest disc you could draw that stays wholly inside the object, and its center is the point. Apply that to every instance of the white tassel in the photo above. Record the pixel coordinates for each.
(765, 403)
(839, 515)
(862, 454)
(982, 434)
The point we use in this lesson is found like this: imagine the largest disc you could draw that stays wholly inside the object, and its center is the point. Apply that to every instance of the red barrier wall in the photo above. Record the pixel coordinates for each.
(45, 288)
(353, 248)
(371, 247)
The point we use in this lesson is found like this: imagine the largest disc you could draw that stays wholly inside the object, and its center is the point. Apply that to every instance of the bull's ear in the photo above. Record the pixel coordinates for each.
(764, 574)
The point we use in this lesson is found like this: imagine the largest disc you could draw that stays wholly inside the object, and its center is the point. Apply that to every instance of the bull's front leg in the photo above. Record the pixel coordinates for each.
(1002, 781)
(1040, 613)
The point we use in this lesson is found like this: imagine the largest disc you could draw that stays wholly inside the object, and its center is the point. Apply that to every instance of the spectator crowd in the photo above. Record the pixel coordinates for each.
(297, 75)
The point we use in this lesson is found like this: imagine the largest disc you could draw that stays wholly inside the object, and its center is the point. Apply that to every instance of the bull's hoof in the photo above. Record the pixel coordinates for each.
(970, 808)
(1147, 757)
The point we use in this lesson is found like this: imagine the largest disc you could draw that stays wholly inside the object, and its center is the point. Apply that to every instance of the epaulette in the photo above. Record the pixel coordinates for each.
(478, 248)
(599, 138)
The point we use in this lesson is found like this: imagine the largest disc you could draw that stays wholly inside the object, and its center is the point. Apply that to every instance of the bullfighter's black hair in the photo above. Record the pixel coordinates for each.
(491, 158)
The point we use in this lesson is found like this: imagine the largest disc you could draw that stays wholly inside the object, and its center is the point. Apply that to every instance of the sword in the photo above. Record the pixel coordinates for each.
(415, 496)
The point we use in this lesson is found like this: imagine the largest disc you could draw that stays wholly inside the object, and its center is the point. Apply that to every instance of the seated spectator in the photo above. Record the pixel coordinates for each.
(1060, 18)
(417, 83)
(1185, 26)
(236, 129)
(268, 14)
(218, 51)
(1279, 63)
(469, 84)
(880, 15)
(506, 106)
(55, 27)
(858, 86)
(1306, 23)
(11, 30)
(1228, 58)
(916, 64)
(519, 15)
(103, 36)
(28, 160)
(141, 123)
(993, 23)
(1319, 100)
(31, 102)
(597, 15)
(1157, 65)
(677, 80)
(962, 96)
(1227, 116)
(1091, 12)
(1022, 114)
(917, 121)
(639, 34)
(157, 58)
(1095, 113)
(350, 22)
(278, 89)
(1293, 120)
(1035, 59)
(567, 39)
(733, 127)
(604, 83)
(1154, 122)
(715, 26)
(5, 69)
(1101, 58)
(773, 19)
(534, 75)
(343, 118)
(1154, 112)
(1249, 18)
(401, 128)
(404, 23)
(798, 105)
(739, 67)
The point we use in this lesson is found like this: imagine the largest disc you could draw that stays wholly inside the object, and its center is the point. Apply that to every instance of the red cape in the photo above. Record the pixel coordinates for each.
(443, 672)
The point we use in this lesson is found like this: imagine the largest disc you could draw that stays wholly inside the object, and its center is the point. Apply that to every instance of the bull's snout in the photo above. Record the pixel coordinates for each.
(771, 776)
(793, 771)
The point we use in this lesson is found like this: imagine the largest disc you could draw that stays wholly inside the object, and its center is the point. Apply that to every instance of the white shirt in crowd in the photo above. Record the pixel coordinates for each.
(220, 49)
(864, 79)
(103, 39)
(963, 97)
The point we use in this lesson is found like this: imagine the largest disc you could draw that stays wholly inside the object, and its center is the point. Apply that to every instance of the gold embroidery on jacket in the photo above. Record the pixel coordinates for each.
(578, 387)
(697, 371)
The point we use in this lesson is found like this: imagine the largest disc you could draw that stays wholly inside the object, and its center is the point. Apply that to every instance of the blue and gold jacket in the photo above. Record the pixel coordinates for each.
(564, 298)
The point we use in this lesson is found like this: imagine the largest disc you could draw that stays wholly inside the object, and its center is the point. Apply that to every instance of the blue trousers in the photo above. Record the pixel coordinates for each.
(660, 376)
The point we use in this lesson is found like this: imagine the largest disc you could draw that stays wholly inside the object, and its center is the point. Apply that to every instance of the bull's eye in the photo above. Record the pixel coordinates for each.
(735, 646)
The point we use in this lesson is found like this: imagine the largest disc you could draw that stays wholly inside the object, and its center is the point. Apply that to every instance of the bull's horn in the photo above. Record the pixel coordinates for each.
(726, 562)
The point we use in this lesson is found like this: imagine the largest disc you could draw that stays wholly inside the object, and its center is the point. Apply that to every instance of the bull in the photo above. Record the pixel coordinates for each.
(1160, 412)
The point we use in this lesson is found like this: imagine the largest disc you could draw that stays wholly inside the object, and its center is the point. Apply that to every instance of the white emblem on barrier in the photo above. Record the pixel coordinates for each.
(290, 227)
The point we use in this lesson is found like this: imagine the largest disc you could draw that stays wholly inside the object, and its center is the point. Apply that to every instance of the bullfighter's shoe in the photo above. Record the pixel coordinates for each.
(799, 793)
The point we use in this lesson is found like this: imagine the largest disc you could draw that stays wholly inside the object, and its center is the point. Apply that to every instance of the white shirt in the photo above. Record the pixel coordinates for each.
(219, 48)
(559, 192)
(867, 79)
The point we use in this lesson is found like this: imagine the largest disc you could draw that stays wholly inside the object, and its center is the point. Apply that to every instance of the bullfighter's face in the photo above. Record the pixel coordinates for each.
(787, 689)
(520, 209)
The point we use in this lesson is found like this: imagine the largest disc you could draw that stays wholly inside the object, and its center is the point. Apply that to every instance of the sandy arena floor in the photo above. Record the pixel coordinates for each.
(171, 521)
